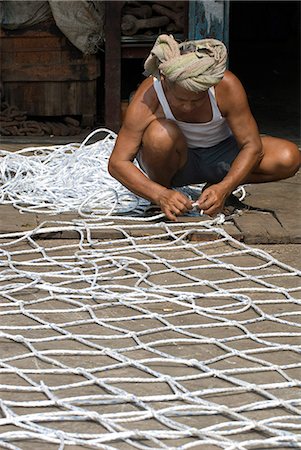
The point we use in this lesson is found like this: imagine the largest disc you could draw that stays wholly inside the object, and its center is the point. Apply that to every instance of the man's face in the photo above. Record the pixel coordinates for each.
(182, 99)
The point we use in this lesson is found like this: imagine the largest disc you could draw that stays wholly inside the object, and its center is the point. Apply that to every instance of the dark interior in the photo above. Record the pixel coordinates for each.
(264, 52)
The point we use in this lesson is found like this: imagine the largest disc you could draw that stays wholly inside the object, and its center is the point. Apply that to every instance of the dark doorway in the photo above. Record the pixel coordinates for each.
(264, 52)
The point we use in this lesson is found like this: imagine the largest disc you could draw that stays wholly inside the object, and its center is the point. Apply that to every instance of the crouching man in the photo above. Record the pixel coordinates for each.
(190, 123)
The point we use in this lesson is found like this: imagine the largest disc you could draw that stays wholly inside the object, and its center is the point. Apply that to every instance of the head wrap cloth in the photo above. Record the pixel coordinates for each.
(196, 71)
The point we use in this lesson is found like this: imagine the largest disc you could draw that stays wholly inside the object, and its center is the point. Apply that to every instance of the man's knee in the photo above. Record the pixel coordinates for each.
(291, 158)
(163, 135)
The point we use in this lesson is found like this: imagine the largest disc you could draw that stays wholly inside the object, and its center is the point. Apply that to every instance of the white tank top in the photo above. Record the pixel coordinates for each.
(197, 135)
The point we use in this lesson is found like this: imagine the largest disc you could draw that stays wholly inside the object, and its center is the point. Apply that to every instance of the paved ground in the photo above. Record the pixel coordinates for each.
(102, 349)
(181, 346)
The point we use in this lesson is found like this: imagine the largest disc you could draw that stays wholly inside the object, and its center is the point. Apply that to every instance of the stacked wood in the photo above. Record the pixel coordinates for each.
(45, 75)
(14, 122)
(152, 18)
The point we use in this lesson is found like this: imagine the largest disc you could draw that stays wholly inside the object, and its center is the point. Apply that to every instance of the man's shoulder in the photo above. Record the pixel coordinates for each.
(229, 81)
(229, 89)
(230, 94)
(146, 94)
(143, 106)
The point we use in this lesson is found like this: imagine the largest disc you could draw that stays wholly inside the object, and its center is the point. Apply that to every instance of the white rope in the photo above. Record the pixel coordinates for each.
(148, 340)
(69, 177)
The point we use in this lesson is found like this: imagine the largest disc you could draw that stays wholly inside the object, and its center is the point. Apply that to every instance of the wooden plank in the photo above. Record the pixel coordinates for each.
(136, 52)
(46, 56)
(45, 75)
(59, 72)
(112, 65)
(53, 98)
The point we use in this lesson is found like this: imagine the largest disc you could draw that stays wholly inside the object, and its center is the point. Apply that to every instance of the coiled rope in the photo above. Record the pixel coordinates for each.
(65, 178)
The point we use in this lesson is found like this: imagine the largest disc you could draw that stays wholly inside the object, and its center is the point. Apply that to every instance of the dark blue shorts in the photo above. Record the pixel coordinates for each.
(207, 164)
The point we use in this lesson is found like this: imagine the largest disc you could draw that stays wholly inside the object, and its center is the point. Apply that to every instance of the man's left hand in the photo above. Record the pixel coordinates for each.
(212, 200)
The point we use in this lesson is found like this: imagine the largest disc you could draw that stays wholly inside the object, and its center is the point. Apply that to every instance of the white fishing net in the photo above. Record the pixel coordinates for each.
(127, 334)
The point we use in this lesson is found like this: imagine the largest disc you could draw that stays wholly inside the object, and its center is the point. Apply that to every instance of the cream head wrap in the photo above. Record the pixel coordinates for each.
(197, 70)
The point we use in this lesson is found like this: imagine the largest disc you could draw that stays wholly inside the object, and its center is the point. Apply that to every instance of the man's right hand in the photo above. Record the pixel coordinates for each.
(174, 204)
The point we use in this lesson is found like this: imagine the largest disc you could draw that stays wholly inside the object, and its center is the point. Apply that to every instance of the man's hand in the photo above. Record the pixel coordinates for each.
(173, 204)
(212, 199)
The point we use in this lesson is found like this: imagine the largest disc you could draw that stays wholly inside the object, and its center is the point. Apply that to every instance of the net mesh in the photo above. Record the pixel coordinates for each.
(128, 334)
(146, 338)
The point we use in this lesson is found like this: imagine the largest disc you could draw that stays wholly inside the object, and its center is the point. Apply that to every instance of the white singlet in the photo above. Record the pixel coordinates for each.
(197, 135)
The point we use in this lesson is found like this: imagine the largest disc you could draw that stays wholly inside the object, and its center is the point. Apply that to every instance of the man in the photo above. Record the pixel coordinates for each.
(189, 123)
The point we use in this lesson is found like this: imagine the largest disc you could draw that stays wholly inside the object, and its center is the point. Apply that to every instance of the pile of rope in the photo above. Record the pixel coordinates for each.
(63, 178)
(14, 122)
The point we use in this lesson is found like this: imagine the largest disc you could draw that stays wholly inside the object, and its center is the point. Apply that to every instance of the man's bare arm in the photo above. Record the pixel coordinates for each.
(245, 130)
(122, 168)
(234, 105)
(139, 115)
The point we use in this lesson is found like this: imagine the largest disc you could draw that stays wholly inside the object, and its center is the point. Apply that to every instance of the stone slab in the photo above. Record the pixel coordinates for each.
(261, 228)
(274, 215)
(12, 220)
